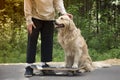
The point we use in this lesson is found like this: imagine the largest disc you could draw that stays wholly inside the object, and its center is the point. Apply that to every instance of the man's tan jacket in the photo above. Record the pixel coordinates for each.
(42, 9)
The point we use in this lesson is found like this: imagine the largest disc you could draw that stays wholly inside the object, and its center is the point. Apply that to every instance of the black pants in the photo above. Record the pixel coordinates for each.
(45, 29)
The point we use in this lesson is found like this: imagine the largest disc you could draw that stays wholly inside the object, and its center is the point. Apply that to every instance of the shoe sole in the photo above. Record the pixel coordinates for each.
(28, 75)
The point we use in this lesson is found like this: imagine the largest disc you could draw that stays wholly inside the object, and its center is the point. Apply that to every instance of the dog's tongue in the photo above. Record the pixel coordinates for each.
(61, 25)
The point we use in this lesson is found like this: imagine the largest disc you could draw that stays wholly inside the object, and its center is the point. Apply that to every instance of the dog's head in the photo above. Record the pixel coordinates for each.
(64, 22)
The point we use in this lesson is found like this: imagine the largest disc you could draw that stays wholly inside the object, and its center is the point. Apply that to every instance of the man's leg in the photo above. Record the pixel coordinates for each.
(31, 45)
(31, 48)
(47, 41)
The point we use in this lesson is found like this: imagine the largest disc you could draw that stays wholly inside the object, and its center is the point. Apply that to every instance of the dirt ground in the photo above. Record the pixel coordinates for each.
(112, 61)
(108, 61)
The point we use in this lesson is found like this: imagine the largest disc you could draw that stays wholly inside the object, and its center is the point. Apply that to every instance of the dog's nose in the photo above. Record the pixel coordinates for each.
(55, 22)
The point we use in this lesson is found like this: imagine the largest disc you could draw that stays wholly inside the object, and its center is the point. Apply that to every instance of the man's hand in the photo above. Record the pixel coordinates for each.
(29, 27)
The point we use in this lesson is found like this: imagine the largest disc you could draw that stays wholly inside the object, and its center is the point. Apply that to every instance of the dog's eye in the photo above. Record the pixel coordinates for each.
(61, 18)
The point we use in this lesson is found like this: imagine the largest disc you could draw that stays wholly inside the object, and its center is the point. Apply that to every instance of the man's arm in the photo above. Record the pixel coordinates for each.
(28, 15)
(27, 11)
(59, 6)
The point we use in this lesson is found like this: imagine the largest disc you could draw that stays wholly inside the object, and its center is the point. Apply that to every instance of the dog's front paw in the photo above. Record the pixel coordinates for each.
(75, 66)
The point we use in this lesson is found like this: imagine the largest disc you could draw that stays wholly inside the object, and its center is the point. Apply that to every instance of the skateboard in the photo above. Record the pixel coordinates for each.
(56, 70)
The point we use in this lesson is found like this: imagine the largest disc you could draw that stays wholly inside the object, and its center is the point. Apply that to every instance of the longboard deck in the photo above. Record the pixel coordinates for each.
(53, 68)
(56, 70)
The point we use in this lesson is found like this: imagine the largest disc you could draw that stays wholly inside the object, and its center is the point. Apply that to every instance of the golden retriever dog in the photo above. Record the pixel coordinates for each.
(74, 45)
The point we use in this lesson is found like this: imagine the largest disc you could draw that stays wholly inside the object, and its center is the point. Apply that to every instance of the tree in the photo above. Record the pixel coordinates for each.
(2, 6)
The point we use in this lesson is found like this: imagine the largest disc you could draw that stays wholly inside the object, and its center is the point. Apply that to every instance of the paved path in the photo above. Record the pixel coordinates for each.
(16, 72)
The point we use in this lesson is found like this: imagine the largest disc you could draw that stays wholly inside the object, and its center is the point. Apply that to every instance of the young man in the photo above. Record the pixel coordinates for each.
(39, 16)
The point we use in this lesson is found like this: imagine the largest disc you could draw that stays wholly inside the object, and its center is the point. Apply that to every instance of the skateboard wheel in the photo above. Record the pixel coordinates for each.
(70, 73)
(48, 72)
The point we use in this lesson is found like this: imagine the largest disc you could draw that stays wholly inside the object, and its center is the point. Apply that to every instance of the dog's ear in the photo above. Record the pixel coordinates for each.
(70, 16)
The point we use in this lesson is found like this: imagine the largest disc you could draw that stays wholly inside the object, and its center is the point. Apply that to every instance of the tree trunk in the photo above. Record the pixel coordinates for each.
(2, 4)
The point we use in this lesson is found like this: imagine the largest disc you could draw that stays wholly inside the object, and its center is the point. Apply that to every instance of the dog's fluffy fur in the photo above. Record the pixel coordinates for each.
(74, 45)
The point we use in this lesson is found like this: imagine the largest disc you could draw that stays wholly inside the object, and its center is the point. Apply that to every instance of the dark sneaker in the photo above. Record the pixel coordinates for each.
(28, 72)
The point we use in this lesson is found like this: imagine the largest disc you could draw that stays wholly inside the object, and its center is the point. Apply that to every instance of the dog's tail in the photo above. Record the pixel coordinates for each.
(100, 64)
(95, 65)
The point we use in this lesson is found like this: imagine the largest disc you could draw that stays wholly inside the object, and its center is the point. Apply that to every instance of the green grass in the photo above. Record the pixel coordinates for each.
(17, 56)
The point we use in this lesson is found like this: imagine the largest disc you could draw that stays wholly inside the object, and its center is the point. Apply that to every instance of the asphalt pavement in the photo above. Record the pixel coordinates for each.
(16, 72)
